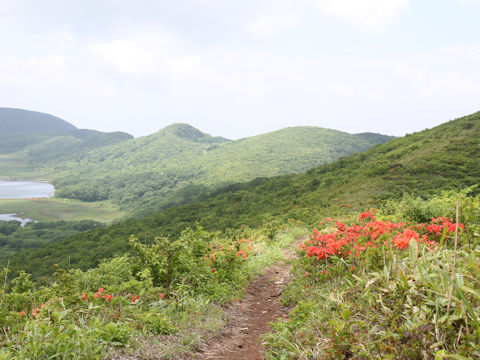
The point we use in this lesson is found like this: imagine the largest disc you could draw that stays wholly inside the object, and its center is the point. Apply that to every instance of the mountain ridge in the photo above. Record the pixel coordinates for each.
(13, 120)
(156, 166)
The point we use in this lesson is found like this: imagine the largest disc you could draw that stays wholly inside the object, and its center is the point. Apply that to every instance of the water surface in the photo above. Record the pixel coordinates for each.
(12, 217)
(25, 190)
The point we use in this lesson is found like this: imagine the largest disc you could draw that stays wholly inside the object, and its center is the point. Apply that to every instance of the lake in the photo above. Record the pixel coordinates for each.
(25, 190)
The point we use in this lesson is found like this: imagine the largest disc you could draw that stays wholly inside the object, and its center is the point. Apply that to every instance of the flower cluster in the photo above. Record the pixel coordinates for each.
(242, 253)
(36, 310)
(352, 240)
(367, 215)
(99, 294)
(225, 255)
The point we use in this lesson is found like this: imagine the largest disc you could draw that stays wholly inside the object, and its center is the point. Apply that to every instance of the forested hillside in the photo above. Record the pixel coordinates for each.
(180, 163)
(420, 164)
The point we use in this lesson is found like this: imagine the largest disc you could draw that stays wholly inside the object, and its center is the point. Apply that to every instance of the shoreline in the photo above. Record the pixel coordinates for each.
(10, 179)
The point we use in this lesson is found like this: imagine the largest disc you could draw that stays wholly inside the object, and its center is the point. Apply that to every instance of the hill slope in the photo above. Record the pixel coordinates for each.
(25, 121)
(179, 163)
(424, 163)
(32, 142)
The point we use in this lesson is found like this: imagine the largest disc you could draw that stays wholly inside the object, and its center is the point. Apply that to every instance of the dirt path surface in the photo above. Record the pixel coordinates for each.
(249, 318)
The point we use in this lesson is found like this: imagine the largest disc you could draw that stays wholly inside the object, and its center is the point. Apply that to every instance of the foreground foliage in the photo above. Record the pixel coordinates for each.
(377, 289)
(169, 288)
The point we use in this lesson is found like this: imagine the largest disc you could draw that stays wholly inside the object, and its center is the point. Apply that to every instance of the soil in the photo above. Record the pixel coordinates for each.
(250, 317)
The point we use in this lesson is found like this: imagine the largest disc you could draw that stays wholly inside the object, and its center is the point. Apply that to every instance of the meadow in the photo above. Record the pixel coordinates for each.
(59, 210)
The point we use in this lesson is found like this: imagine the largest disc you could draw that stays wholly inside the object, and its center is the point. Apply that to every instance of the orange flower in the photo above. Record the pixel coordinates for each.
(243, 253)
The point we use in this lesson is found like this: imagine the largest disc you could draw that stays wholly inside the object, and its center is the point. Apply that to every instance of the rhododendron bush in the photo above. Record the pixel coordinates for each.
(370, 287)
(350, 242)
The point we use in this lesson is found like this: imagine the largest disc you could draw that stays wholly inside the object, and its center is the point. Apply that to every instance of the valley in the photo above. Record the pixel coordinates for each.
(371, 244)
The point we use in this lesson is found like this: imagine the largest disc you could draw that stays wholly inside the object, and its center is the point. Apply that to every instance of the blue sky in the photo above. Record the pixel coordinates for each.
(240, 68)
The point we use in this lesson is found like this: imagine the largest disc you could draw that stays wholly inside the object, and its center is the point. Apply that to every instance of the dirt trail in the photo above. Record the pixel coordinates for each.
(249, 318)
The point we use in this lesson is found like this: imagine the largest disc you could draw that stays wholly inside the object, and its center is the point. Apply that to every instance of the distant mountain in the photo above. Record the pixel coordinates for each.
(421, 164)
(25, 121)
(31, 142)
(179, 163)
(187, 132)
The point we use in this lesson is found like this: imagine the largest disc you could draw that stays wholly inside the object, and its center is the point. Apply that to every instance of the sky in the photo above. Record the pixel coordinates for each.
(242, 68)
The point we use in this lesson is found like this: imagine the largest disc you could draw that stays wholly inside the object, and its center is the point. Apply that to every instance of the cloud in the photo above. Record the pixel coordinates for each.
(366, 14)
(126, 55)
(263, 27)
(341, 88)
(267, 27)
(53, 61)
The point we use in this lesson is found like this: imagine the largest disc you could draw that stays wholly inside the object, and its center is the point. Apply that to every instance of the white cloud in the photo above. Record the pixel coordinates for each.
(341, 88)
(53, 61)
(262, 27)
(367, 14)
(126, 55)
(267, 27)
(185, 65)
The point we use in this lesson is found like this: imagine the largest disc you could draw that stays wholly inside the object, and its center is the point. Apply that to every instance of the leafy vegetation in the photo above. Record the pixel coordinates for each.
(13, 237)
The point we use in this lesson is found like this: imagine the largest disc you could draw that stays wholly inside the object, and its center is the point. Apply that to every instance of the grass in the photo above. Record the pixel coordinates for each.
(16, 167)
(56, 209)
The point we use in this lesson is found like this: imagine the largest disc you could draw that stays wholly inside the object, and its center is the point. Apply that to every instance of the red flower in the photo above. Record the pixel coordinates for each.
(243, 253)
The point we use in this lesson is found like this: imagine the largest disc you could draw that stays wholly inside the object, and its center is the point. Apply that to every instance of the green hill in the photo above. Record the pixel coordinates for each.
(24, 121)
(422, 164)
(179, 163)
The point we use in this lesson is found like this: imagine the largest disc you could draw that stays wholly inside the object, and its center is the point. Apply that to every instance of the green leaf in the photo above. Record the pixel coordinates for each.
(463, 297)
(413, 251)
(443, 355)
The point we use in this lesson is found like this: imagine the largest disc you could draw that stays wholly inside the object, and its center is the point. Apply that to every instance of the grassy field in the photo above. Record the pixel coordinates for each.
(56, 209)
(16, 167)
